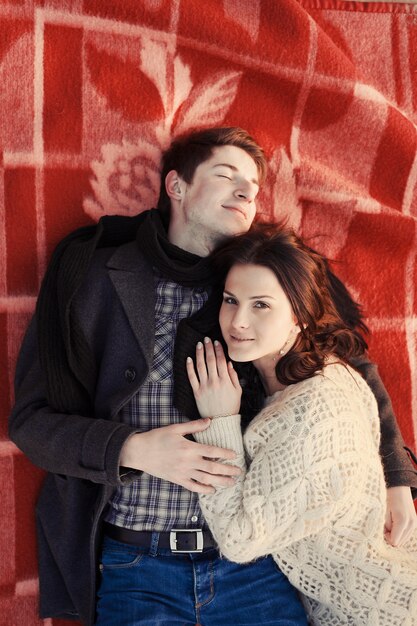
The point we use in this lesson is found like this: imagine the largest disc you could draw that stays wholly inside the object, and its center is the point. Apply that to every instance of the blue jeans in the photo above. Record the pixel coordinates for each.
(153, 587)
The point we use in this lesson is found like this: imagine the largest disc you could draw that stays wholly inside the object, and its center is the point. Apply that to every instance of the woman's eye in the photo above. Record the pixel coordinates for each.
(261, 305)
(224, 176)
(229, 300)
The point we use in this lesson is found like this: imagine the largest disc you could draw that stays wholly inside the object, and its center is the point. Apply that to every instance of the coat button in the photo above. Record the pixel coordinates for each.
(130, 374)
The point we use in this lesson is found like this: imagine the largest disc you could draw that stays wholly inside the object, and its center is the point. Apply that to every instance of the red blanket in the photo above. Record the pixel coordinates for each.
(93, 90)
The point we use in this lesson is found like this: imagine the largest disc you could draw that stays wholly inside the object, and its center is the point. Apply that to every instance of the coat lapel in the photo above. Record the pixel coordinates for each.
(133, 280)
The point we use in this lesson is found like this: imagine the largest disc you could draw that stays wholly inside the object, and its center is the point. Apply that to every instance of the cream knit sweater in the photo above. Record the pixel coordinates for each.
(314, 497)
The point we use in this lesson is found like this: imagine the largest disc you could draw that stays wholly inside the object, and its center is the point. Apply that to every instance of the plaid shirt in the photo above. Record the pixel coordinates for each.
(150, 503)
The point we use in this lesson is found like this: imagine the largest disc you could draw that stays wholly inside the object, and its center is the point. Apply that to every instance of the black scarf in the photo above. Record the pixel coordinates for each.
(183, 267)
(65, 356)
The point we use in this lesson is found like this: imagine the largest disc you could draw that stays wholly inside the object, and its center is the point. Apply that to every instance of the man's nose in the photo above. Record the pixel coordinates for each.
(246, 191)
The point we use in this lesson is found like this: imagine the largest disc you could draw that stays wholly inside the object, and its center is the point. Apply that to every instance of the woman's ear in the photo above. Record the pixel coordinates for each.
(174, 185)
(297, 327)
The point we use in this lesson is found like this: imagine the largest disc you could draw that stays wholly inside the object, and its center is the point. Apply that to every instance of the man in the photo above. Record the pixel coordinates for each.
(95, 409)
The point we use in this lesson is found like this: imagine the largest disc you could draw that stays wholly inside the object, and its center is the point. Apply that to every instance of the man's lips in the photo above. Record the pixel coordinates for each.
(235, 208)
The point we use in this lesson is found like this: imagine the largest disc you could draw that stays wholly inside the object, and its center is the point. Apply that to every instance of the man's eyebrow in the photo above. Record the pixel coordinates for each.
(235, 169)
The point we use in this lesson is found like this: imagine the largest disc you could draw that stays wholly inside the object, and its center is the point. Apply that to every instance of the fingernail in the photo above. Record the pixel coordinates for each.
(206, 339)
(189, 359)
(216, 343)
(199, 345)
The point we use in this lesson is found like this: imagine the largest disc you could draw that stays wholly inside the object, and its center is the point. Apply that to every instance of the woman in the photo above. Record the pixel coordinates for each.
(313, 494)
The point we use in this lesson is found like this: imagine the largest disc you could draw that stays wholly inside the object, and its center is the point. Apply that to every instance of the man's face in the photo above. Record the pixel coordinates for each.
(220, 200)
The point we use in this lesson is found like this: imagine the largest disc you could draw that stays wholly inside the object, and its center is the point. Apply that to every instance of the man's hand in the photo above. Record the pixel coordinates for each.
(401, 519)
(165, 453)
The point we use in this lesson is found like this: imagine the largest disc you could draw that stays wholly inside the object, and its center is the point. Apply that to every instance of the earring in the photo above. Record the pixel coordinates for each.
(282, 351)
(293, 331)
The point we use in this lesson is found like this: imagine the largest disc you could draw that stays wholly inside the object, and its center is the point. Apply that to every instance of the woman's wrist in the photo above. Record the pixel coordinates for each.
(224, 432)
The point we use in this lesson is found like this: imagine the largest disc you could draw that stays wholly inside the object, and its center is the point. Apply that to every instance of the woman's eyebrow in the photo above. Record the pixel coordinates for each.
(265, 296)
(229, 293)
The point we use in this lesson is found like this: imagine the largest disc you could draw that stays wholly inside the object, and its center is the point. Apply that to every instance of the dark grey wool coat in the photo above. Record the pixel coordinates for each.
(81, 454)
(116, 309)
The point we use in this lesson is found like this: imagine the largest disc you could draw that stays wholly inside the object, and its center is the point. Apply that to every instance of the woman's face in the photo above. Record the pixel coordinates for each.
(256, 317)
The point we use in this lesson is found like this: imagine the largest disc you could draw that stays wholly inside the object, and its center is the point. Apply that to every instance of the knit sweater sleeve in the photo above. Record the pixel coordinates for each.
(306, 465)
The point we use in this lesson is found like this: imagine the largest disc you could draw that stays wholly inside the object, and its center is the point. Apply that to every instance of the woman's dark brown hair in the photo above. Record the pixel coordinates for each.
(304, 276)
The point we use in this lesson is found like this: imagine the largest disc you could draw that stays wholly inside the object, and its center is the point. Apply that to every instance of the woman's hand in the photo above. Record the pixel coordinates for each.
(215, 385)
(401, 520)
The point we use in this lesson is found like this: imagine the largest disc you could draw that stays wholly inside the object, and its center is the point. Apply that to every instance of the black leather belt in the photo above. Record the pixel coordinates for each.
(179, 540)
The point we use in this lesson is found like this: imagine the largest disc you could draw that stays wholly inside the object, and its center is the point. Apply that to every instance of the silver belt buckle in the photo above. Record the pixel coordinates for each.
(173, 539)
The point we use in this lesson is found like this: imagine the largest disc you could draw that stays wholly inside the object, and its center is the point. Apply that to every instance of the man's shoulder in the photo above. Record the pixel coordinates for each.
(126, 257)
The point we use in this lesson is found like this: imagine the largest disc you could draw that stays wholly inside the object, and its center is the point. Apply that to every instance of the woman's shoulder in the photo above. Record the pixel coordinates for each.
(347, 381)
(336, 389)
(336, 378)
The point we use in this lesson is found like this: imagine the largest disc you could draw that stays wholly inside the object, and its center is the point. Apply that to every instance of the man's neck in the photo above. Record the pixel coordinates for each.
(190, 242)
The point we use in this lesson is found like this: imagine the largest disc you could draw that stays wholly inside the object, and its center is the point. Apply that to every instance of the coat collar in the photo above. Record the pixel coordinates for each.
(133, 280)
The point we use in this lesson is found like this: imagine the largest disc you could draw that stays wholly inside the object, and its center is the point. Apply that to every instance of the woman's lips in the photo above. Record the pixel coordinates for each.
(240, 339)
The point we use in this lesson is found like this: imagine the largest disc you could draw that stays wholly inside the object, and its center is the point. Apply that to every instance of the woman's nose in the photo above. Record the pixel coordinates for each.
(240, 319)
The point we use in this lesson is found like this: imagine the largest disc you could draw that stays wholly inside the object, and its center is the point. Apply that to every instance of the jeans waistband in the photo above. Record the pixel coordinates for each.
(178, 540)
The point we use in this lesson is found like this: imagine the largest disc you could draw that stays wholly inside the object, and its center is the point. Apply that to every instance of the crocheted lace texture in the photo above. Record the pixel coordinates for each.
(314, 496)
